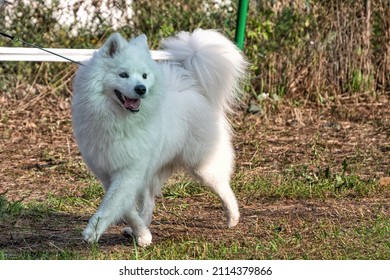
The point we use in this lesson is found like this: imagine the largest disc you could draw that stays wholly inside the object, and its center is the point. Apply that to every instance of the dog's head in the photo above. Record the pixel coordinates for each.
(129, 71)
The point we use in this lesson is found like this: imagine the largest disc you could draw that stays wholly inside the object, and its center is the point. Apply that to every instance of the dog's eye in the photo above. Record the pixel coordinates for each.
(144, 76)
(123, 75)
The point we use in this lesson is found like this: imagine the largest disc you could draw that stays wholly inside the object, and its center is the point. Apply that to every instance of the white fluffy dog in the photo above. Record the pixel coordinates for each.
(137, 121)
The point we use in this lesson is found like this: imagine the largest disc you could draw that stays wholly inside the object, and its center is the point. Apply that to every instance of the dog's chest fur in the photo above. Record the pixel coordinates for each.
(109, 145)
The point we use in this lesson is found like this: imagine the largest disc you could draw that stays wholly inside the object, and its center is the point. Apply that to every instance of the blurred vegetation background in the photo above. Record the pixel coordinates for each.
(323, 51)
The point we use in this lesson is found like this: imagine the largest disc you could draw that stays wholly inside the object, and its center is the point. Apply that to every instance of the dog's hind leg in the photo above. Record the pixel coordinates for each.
(222, 188)
(215, 172)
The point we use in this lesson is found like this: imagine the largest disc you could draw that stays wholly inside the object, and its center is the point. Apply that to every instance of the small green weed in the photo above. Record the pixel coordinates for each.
(10, 208)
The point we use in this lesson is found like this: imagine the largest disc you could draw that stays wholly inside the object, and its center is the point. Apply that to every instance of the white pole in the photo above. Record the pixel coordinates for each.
(79, 55)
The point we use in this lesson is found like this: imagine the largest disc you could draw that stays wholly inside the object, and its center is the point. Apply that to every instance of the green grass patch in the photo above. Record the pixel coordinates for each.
(184, 188)
(301, 183)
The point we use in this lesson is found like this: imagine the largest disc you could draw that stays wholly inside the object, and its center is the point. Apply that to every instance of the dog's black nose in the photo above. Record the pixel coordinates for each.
(140, 89)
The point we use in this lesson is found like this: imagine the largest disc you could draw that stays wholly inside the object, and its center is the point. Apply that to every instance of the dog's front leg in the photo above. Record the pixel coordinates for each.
(138, 228)
(120, 196)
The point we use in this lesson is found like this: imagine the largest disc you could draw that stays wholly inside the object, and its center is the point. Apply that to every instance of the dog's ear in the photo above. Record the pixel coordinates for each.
(114, 44)
(140, 41)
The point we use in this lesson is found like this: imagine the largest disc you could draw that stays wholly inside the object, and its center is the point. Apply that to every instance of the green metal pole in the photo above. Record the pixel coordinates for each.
(241, 22)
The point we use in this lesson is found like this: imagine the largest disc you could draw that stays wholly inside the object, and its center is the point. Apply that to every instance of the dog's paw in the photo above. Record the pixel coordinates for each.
(90, 235)
(144, 240)
(233, 220)
(94, 230)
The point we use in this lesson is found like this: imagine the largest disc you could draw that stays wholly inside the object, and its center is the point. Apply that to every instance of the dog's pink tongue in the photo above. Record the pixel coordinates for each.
(132, 104)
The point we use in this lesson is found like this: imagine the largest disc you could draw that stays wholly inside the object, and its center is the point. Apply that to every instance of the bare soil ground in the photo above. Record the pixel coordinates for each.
(39, 159)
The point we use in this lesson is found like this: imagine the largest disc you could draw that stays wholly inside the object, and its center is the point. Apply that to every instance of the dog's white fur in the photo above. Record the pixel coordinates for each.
(180, 123)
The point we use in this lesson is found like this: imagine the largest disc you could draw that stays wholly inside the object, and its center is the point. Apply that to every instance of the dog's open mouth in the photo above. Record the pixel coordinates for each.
(131, 104)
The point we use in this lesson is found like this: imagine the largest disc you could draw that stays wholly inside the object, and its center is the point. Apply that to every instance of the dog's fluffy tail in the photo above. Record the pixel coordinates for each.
(214, 60)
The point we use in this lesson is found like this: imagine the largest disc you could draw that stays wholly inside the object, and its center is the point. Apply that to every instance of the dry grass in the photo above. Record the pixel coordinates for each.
(320, 50)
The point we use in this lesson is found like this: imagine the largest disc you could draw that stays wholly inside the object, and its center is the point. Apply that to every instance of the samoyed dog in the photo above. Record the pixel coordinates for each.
(137, 121)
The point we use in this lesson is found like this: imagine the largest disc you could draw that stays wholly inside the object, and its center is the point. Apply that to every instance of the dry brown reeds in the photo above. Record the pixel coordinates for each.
(320, 50)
